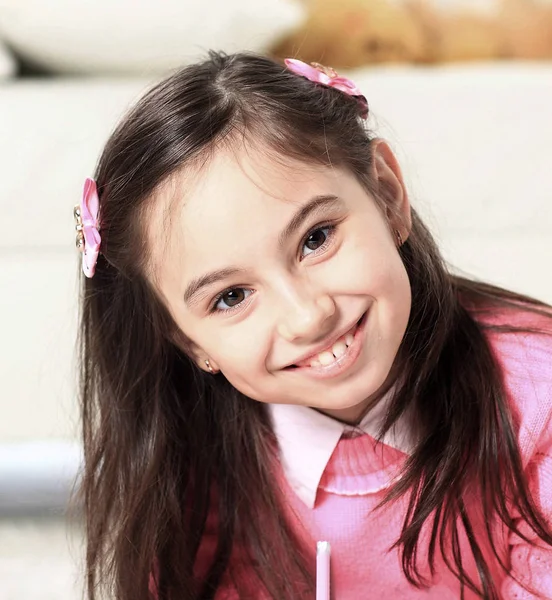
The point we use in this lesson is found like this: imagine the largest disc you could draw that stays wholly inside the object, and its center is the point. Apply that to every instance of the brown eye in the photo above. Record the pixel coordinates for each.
(231, 298)
(315, 240)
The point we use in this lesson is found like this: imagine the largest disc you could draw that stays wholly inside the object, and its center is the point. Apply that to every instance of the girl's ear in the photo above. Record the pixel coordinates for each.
(387, 175)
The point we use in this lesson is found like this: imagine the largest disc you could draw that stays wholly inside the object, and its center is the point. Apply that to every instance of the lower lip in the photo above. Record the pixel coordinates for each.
(343, 363)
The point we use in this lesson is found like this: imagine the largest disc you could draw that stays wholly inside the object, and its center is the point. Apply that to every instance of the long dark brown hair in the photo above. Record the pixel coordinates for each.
(166, 443)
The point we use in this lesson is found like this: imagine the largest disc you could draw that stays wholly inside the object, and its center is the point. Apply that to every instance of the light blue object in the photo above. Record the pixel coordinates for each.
(37, 477)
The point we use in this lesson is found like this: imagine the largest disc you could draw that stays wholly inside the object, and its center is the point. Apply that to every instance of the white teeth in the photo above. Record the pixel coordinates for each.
(326, 358)
(339, 349)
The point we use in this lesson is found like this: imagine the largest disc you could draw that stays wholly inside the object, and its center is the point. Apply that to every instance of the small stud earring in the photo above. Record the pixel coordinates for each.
(209, 366)
(399, 238)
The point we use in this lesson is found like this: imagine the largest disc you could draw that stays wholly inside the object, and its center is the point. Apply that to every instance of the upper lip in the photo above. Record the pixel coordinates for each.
(327, 343)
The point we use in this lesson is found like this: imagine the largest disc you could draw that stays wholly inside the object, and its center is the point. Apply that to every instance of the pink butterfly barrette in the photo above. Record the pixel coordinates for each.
(327, 76)
(87, 225)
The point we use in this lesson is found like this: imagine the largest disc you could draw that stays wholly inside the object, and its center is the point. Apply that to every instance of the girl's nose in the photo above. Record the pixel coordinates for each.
(308, 319)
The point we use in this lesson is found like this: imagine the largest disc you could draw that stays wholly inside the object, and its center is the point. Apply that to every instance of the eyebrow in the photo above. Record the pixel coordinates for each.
(320, 203)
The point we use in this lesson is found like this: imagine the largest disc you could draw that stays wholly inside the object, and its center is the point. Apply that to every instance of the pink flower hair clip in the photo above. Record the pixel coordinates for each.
(327, 76)
(87, 226)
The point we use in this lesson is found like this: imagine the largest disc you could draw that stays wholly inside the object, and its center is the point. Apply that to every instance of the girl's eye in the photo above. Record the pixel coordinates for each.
(318, 239)
(230, 299)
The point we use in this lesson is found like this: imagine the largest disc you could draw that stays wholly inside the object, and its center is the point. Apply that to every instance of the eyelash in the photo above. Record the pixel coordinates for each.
(329, 239)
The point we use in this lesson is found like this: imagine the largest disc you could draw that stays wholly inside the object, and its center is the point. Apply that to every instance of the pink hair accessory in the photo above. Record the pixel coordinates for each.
(87, 226)
(327, 76)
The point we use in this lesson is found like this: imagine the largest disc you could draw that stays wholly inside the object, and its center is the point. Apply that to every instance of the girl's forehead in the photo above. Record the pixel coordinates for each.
(237, 183)
(257, 175)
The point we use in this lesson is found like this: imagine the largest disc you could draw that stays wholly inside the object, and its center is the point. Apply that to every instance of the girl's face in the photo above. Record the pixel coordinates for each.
(286, 276)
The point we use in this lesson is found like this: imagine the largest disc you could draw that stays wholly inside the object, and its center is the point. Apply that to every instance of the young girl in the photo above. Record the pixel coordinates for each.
(273, 354)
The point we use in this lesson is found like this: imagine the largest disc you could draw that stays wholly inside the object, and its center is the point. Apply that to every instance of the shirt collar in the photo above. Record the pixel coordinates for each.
(307, 439)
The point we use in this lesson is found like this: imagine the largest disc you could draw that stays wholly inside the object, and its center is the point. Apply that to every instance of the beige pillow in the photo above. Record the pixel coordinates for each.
(139, 36)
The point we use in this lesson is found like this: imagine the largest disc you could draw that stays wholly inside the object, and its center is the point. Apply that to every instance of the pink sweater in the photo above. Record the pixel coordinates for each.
(332, 486)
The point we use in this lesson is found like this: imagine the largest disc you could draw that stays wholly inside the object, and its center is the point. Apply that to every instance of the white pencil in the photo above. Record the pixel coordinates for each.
(323, 571)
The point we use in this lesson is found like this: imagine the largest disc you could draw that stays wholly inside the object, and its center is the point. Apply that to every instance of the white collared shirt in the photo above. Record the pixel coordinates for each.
(307, 439)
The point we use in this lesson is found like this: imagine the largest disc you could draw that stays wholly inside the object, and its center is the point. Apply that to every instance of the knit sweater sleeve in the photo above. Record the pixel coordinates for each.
(530, 575)
(528, 368)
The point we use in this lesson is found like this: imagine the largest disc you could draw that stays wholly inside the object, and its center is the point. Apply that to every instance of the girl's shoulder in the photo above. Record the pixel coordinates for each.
(521, 341)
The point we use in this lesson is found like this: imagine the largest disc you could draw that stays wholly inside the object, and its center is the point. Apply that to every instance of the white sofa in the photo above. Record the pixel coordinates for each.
(476, 147)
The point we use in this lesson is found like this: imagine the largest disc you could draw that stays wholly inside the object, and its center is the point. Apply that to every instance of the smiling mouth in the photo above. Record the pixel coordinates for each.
(333, 352)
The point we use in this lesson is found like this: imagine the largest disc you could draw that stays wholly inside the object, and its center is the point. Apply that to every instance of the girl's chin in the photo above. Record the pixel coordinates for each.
(351, 405)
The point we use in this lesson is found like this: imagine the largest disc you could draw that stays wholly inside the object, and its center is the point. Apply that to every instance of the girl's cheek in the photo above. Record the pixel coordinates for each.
(240, 345)
(365, 265)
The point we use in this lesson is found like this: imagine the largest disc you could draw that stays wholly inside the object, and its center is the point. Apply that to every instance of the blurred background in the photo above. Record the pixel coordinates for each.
(461, 88)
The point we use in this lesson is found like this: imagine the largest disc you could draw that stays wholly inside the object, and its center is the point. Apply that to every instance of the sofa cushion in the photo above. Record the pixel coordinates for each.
(139, 37)
(474, 144)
